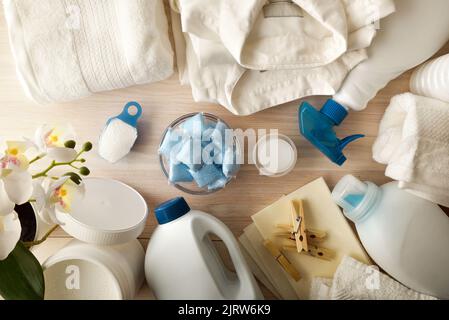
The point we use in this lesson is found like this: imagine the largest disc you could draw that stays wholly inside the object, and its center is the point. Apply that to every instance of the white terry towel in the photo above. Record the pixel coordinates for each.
(356, 281)
(254, 54)
(69, 49)
(413, 142)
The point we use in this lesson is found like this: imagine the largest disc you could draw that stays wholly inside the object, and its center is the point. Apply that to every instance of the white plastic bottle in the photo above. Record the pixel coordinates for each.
(407, 38)
(432, 79)
(182, 263)
(405, 235)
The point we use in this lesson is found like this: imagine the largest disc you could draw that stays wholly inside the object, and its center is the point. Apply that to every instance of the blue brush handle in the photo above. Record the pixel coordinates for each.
(127, 117)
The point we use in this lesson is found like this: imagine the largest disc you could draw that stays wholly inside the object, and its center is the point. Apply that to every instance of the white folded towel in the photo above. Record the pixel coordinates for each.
(254, 54)
(69, 49)
(413, 142)
(356, 281)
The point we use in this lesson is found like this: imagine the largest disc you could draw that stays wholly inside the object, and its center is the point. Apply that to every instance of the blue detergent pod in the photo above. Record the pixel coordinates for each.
(208, 174)
(179, 172)
(171, 140)
(194, 126)
(317, 127)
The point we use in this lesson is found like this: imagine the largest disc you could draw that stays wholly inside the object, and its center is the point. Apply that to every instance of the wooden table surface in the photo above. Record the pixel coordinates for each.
(167, 100)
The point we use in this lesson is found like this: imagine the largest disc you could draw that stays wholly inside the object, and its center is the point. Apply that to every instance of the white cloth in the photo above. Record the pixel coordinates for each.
(69, 49)
(254, 54)
(414, 142)
(356, 281)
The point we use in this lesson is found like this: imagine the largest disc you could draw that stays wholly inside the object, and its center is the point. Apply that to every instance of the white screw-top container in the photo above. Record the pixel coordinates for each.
(182, 263)
(407, 236)
(106, 261)
(432, 79)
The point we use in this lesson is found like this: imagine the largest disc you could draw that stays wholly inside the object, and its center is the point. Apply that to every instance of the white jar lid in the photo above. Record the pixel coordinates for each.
(110, 213)
(275, 155)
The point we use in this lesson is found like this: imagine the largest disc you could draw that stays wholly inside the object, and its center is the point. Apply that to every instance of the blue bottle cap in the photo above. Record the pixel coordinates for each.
(335, 111)
(171, 210)
(126, 115)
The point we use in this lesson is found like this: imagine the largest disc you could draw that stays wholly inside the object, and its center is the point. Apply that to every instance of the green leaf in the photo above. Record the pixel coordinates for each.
(21, 276)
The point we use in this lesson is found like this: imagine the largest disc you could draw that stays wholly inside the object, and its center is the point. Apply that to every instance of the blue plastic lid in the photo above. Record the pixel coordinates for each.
(171, 210)
(127, 116)
(335, 111)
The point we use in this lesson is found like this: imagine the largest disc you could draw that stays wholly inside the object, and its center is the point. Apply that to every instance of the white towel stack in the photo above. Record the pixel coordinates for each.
(413, 142)
(69, 49)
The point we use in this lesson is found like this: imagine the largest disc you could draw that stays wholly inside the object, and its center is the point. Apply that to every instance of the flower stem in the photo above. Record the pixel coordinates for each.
(44, 173)
(45, 237)
(36, 159)
(58, 164)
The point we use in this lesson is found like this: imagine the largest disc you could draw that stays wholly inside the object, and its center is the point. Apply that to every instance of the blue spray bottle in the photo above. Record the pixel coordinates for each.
(317, 127)
(392, 53)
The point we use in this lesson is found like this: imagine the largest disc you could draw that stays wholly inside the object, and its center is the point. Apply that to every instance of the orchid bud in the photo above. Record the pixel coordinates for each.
(71, 144)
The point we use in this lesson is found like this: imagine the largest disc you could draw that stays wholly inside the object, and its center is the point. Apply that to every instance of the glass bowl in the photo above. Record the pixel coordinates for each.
(191, 187)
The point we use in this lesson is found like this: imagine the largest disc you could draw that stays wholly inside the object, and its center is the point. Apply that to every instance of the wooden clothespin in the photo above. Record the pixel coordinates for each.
(282, 260)
(299, 225)
(314, 251)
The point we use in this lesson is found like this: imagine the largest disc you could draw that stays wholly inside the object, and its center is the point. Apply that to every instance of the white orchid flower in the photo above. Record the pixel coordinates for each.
(50, 140)
(15, 181)
(15, 188)
(10, 230)
(56, 196)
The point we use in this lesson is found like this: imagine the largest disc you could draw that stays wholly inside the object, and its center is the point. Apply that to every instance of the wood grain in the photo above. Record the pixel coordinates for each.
(167, 100)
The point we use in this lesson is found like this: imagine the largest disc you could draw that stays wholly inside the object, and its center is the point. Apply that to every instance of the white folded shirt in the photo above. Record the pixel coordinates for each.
(251, 55)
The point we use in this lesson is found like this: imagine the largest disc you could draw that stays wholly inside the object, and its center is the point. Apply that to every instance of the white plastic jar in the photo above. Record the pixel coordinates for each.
(105, 261)
(89, 272)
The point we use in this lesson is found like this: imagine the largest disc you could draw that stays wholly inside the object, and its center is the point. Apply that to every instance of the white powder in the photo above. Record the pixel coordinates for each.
(275, 155)
(117, 140)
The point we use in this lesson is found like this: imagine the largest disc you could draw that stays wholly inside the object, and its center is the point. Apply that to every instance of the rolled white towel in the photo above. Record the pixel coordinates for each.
(413, 143)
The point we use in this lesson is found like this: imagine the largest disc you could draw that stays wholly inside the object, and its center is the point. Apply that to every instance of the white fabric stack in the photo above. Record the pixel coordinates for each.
(413, 142)
(254, 54)
(69, 49)
(356, 281)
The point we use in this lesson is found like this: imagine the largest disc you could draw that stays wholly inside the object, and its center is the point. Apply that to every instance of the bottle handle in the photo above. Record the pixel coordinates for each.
(244, 274)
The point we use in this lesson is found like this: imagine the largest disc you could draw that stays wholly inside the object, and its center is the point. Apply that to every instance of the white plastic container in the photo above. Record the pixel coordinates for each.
(81, 271)
(405, 235)
(275, 155)
(182, 263)
(407, 38)
(106, 261)
(432, 79)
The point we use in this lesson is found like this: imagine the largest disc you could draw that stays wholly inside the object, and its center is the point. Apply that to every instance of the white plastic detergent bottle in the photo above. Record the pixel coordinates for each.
(405, 235)
(406, 38)
(182, 263)
(432, 79)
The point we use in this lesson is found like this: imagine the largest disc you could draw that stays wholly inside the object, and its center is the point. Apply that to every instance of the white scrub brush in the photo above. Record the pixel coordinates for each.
(120, 134)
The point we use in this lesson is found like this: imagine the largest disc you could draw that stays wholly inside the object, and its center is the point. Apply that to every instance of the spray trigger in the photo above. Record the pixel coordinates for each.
(344, 142)
(317, 127)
